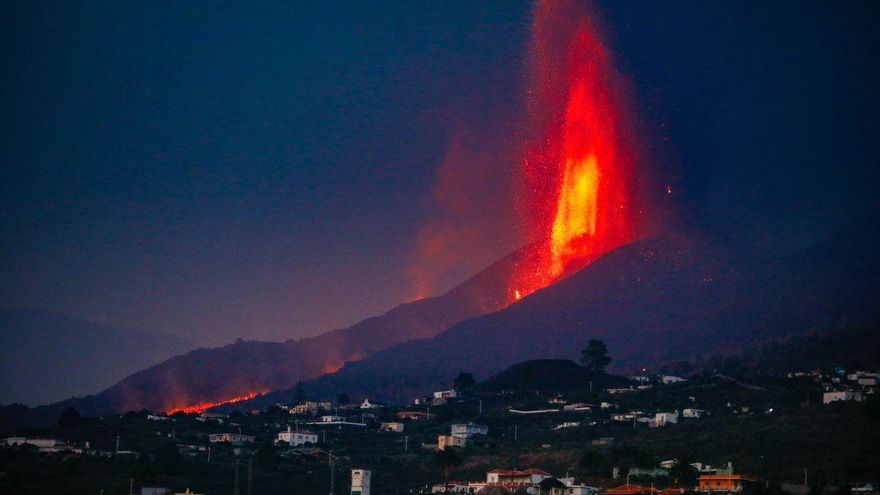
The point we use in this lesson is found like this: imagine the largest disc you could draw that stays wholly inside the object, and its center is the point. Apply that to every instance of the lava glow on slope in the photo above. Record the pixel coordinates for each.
(204, 406)
(579, 162)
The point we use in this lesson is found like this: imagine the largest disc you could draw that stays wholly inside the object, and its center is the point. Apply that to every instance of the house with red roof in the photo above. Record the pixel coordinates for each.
(512, 478)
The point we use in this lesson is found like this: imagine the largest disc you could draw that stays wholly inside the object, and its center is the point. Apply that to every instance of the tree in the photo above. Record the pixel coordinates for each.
(69, 418)
(447, 459)
(343, 399)
(595, 357)
(266, 456)
(683, 474)
(594, 463)
(168, 459)
(463, 381)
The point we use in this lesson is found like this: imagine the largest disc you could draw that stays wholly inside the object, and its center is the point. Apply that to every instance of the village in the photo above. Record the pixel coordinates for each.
(646, 434)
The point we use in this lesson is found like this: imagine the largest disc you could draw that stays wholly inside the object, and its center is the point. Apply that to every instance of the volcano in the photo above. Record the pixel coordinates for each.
(656, 301)
(580, 203)
(205, 378)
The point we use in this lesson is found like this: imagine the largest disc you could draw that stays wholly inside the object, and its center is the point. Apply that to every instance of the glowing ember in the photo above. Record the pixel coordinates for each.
(204, 406)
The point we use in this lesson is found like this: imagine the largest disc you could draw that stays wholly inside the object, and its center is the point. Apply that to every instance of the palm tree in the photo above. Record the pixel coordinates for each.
(447, 459)
(683, 474)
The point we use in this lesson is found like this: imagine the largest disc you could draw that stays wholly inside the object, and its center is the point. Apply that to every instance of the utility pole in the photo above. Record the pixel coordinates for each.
(250, 481)
(235, 480)
(130, 486)
(332, 478)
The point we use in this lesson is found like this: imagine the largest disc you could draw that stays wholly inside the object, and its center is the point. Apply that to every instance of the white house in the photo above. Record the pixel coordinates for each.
(445, 394)
(694, 413)
(858, 375)
(309, 407)
(467, 430)
(230, 438)
(667, 379)
(665, 418)
(829, 397)
(865, 487)
(371, 405)
(615, 391)
(360, 482)
(332, 418)
(627, 416)
(572, 488)
(622, 417)
(567, 424)
(297, 437)
(393, 426)
(577, 407)
(43, 444)
(453, 487)
(511, 478)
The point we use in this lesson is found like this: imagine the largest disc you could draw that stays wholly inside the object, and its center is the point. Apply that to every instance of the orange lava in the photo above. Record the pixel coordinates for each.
(204, 406)
(579, 162)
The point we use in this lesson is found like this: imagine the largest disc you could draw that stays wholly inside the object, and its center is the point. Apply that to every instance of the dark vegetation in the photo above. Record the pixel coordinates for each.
(855, 347)
(550, 376)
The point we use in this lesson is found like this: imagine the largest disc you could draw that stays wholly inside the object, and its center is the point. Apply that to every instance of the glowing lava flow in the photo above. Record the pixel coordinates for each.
(580, 160)
(204, 406)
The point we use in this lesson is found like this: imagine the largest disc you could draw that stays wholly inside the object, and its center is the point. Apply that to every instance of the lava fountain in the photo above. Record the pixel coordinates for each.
(579, 161)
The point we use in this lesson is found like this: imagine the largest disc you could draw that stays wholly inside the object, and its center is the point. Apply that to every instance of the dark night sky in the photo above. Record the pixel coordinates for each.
(217, 170)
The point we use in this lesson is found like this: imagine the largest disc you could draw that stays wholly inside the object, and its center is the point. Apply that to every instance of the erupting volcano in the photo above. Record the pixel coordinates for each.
(576, 202)
(579, 162)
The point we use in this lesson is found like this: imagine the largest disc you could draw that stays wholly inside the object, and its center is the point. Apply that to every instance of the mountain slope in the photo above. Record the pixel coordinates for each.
(76, 357)
(219, 374)
(654, 301)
